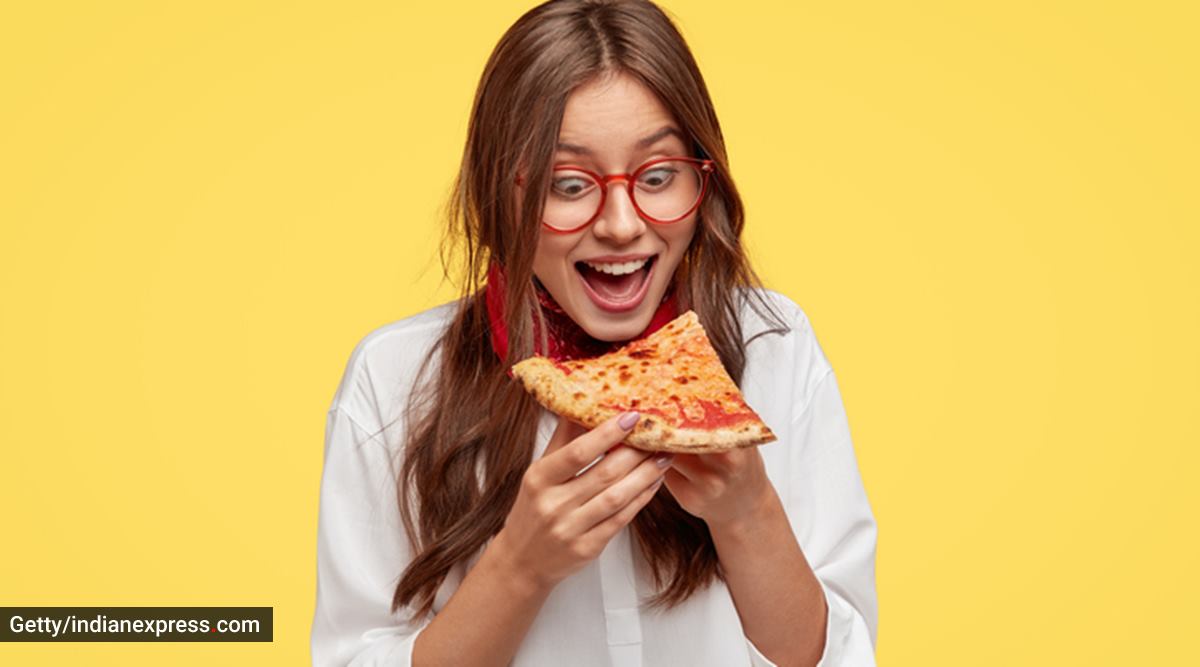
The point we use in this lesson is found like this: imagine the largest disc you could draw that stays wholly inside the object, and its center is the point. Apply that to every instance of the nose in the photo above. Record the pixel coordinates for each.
(619, 221)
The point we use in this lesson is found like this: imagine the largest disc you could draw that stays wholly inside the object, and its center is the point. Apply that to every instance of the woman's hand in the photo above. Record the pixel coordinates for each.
(723, 488)
(561, 520)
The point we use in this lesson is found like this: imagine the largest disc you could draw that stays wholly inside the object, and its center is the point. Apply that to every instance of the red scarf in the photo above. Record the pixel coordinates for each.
(567, 339)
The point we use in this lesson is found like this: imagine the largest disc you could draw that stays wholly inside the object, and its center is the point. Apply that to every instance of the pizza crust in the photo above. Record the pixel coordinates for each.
(575, 390)
(652, 433)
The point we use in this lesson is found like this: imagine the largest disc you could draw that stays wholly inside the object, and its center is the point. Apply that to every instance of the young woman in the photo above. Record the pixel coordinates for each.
(594, 203)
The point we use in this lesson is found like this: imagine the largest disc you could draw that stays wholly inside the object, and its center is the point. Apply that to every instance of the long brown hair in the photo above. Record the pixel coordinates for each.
(471, 430)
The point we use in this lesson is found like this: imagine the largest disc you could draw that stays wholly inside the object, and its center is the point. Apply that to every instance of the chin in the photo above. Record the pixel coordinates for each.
(613, 327)
(616, 306)
(600, 329)
(611, 306)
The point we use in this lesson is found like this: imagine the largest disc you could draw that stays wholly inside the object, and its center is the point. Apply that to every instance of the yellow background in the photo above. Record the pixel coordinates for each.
(988, 210)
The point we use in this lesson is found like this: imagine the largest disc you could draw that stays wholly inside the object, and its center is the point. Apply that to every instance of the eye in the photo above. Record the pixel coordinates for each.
(656, 178)
(571, 186)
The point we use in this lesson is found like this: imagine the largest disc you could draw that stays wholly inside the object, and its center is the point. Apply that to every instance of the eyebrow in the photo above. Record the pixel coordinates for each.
(641, 143)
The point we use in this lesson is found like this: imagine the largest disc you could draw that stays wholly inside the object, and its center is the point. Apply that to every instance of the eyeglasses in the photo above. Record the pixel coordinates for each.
(663, 190)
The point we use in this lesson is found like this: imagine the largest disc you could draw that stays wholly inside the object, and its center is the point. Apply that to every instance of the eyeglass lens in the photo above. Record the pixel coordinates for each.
(664, 191)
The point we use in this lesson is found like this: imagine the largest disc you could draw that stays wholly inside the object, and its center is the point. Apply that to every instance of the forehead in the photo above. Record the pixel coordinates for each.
(615, 115)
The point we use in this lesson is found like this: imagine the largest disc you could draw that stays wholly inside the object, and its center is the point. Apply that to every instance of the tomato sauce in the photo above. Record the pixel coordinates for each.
(714, 415)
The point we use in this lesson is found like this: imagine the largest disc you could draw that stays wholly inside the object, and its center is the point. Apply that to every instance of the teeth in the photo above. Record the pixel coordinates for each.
(619, 269)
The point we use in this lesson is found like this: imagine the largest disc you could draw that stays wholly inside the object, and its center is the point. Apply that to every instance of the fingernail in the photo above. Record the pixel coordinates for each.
(664, 460)
(627, 420)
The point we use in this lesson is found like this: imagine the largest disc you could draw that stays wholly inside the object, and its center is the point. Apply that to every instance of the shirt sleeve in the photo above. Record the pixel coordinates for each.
(361, 551)
(829, 512)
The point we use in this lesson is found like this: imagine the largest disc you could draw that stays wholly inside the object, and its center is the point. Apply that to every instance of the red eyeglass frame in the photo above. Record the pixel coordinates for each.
(707, 168)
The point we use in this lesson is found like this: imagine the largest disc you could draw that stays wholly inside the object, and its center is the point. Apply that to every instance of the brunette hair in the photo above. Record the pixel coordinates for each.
(471, 429)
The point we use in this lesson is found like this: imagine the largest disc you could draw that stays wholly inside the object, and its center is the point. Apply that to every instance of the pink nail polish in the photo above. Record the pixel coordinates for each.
(628, 419)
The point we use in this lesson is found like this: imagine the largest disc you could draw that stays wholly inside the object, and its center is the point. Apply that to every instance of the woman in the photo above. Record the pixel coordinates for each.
(456, 528)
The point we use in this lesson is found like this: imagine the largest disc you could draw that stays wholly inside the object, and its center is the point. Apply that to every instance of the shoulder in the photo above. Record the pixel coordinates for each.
(384, 363)
(783, 356)
(768, 312)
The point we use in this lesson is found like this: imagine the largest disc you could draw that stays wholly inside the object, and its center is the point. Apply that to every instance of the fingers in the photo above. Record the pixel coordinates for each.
(617, 497)
(567, 459)
(614, 466)
(606, 528)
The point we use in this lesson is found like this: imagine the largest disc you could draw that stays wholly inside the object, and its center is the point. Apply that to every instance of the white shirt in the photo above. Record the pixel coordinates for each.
(591, 619)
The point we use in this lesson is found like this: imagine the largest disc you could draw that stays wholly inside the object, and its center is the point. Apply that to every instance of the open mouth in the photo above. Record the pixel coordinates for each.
(616, 286)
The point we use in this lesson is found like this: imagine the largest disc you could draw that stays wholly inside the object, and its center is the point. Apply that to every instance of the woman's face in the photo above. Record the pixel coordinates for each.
(611, 275)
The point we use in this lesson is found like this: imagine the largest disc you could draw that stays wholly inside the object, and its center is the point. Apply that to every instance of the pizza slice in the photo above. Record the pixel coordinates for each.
(673, 377)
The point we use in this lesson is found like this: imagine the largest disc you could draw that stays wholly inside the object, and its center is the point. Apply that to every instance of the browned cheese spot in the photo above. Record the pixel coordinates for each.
(693, 377)
(605, 387)
(623, 366)
(625, 377)
(681, 380)
(577, 395)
